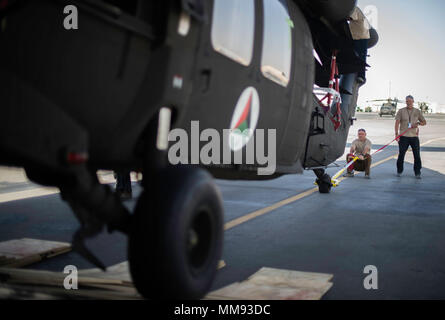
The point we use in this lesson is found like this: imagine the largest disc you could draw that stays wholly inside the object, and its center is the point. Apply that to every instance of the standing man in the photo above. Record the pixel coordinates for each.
(360, 148)
(409, 119)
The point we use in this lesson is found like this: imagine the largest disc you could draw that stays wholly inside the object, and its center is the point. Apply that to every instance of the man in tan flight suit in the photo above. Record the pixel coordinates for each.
(408, 119)
(360, 148)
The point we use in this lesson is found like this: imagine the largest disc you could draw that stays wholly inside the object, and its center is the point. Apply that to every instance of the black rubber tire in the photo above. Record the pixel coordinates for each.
(162, 265)
(324, 184)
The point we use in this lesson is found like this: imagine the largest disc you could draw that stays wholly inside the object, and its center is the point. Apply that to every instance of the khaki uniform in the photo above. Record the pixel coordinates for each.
(360, 165)
(405, 117)
(360, 146)
(359, 25)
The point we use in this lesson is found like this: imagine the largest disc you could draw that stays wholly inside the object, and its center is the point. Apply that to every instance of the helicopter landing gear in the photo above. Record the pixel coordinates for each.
(176, 236)
(323, 181)
(95, 205)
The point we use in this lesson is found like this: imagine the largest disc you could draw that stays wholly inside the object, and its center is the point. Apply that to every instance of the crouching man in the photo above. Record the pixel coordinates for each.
(360, 148)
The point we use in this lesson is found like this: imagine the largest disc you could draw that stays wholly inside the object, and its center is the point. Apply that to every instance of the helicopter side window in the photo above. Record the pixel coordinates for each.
(233, 28)
(277, 42)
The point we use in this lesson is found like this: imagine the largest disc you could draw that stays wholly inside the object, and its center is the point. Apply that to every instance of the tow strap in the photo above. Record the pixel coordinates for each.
(335, 182)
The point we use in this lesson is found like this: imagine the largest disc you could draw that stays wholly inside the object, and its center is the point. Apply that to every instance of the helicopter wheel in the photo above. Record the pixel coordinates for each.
(324, 184)
(176, 236)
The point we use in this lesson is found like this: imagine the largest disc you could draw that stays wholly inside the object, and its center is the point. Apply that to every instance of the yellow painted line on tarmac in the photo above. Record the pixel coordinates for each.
(431, 141)
(263, 211)
(384, 160)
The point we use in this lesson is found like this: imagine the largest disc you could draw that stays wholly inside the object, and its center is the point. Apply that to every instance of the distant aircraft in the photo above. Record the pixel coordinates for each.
(389, 106)
(107, 94)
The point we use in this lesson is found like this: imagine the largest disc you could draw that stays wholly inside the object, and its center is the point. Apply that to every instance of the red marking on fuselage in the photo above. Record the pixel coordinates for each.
(245, 112)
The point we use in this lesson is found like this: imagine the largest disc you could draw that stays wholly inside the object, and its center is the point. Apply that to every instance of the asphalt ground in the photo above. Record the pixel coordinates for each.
(395, 224)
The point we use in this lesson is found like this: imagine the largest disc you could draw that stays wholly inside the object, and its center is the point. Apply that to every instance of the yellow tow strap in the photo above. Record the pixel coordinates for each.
(334, 179)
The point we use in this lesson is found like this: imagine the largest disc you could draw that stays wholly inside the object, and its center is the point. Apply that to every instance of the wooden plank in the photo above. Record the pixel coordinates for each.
(290, 278)
(116, 275)
(124, 290)
(92, 283)
(276, 284)
(291, 274)
(119, 271)
(22, 252)
(252, 291)
(38, 277)
(26, 247)
(23, 292)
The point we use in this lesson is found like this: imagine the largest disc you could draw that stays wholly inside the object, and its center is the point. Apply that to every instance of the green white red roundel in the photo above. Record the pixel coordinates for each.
(245, 118)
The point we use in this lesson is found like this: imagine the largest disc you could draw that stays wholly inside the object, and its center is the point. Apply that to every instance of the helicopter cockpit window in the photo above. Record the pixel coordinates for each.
(233, 29)
(277, 42)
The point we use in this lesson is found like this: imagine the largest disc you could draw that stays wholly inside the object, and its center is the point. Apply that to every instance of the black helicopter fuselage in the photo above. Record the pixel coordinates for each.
(98, 89)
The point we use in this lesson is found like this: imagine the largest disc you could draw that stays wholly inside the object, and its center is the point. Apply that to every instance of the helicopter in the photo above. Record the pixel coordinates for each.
(107, 93)
(389, 106)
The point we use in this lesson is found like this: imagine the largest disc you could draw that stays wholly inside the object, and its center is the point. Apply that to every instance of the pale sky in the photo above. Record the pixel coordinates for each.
(410, 52)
